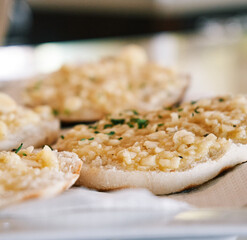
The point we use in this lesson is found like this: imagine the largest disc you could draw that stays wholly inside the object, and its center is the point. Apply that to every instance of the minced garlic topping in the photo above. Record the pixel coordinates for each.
(172, 139)
(110, 85)
(22, 169)
(13, 117)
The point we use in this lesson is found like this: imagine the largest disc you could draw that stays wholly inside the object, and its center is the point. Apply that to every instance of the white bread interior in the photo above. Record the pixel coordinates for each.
(37, 135)
(49, 184)
(161, 182)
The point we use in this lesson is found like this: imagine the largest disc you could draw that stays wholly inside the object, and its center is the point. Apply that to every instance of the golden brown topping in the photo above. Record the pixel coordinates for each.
(112, 84)
(148, 142)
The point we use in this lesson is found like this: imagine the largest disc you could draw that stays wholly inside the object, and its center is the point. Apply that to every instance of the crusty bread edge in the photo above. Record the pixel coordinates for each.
(37, 135)
(53, 189)
(161, 182)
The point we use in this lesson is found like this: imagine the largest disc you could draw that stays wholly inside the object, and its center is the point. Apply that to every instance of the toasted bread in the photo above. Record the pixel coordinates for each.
(165, 151)
(18, 125)
(92, 90)
(28, 173)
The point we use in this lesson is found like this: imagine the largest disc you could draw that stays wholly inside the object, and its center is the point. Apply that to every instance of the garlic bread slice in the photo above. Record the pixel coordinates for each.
(165, 151)
(92, 90)
(28, 173)
(18, 125)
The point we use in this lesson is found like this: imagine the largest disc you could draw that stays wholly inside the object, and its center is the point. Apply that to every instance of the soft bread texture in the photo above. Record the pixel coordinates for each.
(165, 151)
(92, 90)
(46, 132)
(18, 125)
(37, 181)
(159, 183)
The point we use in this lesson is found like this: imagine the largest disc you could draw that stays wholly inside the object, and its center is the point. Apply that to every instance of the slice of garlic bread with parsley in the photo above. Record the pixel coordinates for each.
(28, 173)
(18, 125)
(165, 151)
(92, 90)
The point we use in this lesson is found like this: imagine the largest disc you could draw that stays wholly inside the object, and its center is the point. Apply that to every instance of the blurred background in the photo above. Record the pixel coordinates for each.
(205, 39)
(38, 21)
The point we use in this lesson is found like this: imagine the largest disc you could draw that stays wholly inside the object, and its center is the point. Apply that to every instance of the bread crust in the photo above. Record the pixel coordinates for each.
(70, 166)
(161, 182)
(37, 135)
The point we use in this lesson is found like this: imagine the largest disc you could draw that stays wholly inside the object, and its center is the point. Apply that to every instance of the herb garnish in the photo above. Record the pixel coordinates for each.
(221, 99)
(180, 109)
(96, 132)
(93, 127)
(135, 112)
(234, 125)
(159, 116)
(83, 139)
(18, 149)
(62, 136)
(50, 147)
(24, 154)
(192, 114)
(111, 133)
(130, 124)
(160, 124)
(108, 126)
(179, 116)
(205, 135)
(92, 138)
(168, 108)
(196, 110)
(120, 138)
(118, 121)
(193, 102)
(67, 111)
(142, 123)
(55, 112)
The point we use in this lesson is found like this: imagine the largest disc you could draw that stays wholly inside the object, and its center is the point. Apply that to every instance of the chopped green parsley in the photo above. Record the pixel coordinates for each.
(196, 110)
(130, 124)
(67, 111)
(108, 126)
(117, 121)
(142, 123)
(50, 147)
(111, 133)
(55, 112)
(93, 127)
(135, 112)
(18, 149)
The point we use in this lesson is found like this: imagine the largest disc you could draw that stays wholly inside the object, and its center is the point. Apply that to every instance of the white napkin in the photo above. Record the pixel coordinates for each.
(81, 199)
